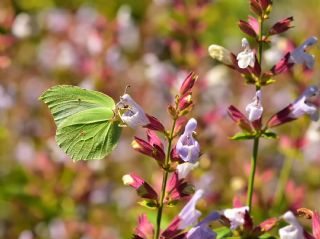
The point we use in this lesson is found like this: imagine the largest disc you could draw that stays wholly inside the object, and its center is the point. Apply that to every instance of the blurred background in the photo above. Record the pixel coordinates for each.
(106, 45)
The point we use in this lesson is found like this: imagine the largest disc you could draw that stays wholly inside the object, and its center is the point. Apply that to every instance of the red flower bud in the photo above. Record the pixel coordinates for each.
(265, 4)
(239, 118)
(281, 26)
(247, 28)
(283, 116)
(144, 190)
(256, 7)
(154, 124)
(188, 83)
(185, 101)
(178, 188)
(282, 66)
(146, 148)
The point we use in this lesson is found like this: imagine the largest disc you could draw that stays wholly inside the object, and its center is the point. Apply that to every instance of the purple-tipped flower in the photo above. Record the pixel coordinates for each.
(187, 147)
(202, 230)
(189, 214)
(131, 113)
(187, 217)
(292, 231)
(236, 216)
(255, 109)
(246, 57)
(301, 106)
(299, 55)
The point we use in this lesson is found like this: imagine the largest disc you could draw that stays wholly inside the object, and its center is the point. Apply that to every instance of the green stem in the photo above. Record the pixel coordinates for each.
(252, 172)
(283, 179)
(164, 181)
(254, 156)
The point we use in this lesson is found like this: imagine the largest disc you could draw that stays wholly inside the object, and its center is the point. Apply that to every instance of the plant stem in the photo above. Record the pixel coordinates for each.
(164, 181)
(252, 172)
(283, 179)
(254, 156)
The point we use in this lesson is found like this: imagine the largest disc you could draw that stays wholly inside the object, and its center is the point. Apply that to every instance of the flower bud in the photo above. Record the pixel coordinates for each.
(221, 54)
(185, 101)
(247, 28)
(146, 148)
(143, 189)
(239, 118)
(281, 26)
(188, 83)
(154, 124)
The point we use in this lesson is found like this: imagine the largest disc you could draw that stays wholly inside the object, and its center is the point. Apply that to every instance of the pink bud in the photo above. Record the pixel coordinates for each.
(146, 148)
(145, 228)
(185, 101)
(239, 118)
(188, 83)
(144, 190)
(316, 225)
(153, 139)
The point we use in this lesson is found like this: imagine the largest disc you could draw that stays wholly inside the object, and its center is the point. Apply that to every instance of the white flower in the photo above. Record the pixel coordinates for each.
(235, 216)
(299, 56)
(292, 231)
(221, 54)
(22, 25)
(131, 113)
(246, 57)
(185, 168)
(301, 106)
(255, 109)
(189, 214)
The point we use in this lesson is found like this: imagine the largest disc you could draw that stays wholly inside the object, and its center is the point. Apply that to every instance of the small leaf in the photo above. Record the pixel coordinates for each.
(84, 118)
(269, 135)
(242, 136)
(149, 203)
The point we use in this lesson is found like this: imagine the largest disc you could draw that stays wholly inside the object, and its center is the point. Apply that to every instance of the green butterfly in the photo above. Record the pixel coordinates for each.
(86, 126)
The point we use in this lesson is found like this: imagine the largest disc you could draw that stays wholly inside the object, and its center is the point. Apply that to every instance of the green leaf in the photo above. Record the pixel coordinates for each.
(269, 135)
(242, 136)
(66, 100)
(223, 232)
(148, 203)
(84, 118)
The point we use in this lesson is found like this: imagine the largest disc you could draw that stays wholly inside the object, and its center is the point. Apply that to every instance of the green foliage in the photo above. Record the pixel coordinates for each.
(243, 136)
(86, 128)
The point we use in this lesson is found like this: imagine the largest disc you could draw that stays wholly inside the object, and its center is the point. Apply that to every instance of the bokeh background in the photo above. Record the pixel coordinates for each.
(106, 45)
